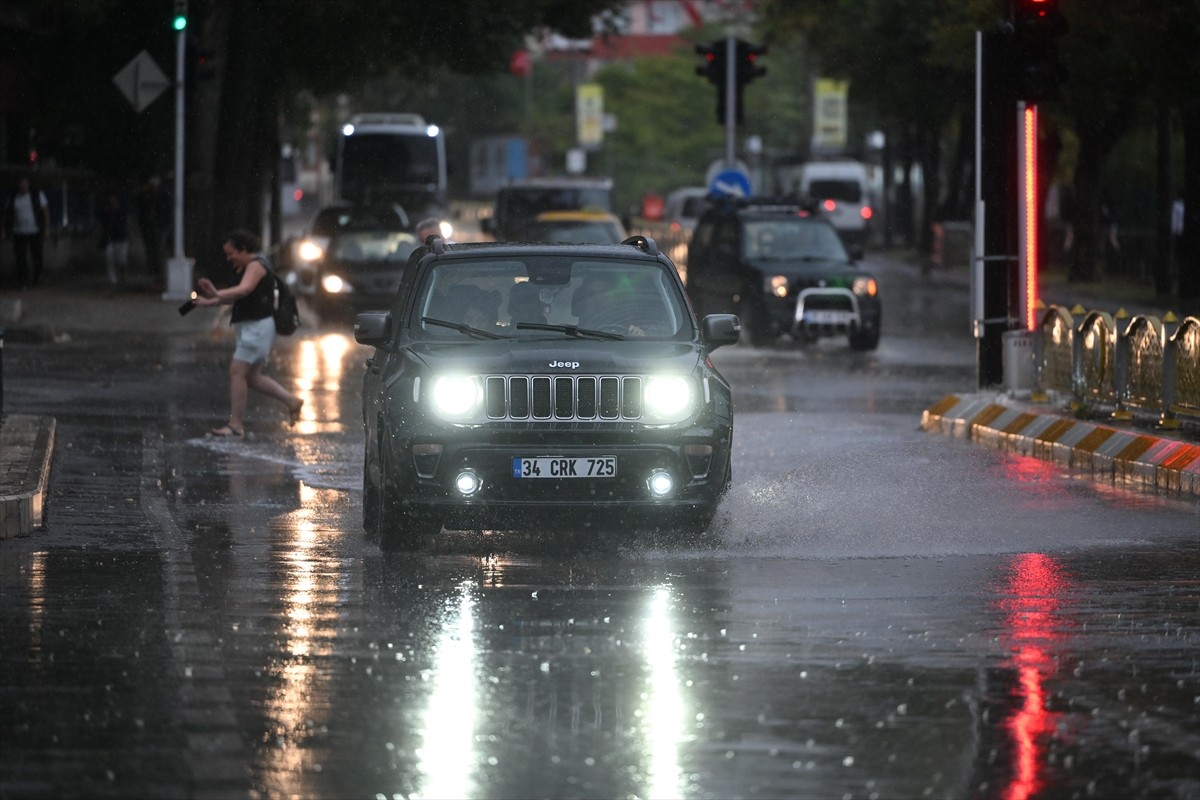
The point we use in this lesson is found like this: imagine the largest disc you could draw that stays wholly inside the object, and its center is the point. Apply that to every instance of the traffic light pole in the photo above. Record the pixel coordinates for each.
(731, 90)
(179, 268)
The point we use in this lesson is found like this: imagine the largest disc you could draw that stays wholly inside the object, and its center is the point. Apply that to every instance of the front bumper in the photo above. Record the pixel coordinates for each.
(428, 470)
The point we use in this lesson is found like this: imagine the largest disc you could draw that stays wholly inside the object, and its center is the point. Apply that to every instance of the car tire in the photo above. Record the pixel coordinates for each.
(395, 527)
(752, 321)
(864, 340)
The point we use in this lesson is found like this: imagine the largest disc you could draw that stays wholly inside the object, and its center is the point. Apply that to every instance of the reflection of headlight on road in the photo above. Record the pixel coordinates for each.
(776, 285)
(333, 284)
(668, 398)
(457, 396)
(310, 250)
(446, 228)
(864, 286)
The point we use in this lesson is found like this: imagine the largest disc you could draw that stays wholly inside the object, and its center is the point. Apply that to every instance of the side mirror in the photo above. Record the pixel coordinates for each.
(718, 330)
(373, 328)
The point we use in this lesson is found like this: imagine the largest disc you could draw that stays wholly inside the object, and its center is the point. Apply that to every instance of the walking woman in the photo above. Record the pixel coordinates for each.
(253, 301)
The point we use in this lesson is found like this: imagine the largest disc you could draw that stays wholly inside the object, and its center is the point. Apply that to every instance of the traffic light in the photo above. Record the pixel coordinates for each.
(179, 19)
(746, 70)
(713, 68)
(199, 62)
(1038, 24)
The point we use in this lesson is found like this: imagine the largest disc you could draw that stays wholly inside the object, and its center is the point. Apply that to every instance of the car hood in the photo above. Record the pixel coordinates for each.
(804, 267)
(564, 356)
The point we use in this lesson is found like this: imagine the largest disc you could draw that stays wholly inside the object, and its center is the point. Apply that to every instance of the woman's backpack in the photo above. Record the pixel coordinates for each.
(286, 313)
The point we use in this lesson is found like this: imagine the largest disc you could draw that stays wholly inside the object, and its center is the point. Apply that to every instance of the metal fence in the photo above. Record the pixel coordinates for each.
(1143, 364)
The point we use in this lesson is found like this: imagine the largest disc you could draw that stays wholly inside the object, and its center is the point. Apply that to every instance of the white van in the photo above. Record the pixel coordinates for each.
(843, 192)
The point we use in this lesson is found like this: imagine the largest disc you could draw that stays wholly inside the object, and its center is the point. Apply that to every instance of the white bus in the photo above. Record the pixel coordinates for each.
(396, 158)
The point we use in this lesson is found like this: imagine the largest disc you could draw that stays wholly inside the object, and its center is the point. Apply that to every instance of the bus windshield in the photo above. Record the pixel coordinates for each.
(388, 166)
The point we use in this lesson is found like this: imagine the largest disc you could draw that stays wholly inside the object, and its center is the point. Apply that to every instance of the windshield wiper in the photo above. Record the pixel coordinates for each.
(462, 328)
(570, 330)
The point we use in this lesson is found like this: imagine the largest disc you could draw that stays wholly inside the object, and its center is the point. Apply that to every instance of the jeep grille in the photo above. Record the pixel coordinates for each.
(563, 398)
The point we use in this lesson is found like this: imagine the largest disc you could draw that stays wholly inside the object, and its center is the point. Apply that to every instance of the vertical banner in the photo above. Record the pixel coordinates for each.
(829, 115)
(589, 114)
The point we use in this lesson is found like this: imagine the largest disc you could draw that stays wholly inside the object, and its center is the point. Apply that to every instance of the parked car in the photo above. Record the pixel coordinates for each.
(520, 202)
(534, 386)
(684, 206)
(783, 269)
(352, 257)
(579, 227)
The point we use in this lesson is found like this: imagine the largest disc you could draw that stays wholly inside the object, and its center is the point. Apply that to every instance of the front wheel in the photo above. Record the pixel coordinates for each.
(394, 526)
(864, 339)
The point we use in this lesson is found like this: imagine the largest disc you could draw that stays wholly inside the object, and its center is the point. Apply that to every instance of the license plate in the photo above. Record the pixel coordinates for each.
(818, 317)
(565, 467)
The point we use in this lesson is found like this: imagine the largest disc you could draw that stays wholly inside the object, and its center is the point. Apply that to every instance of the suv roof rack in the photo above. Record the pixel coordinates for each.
(765, 203)
(643, 243)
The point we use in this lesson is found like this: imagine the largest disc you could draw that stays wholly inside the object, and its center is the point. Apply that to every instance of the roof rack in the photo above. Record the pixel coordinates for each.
(643, 243)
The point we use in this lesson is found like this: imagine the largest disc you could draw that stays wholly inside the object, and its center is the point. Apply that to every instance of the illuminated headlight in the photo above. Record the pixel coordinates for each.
(668, 398)
(457, 397)
(335, 285)
(864, 287)
(446, 228)
(776, 285)
(310, 250)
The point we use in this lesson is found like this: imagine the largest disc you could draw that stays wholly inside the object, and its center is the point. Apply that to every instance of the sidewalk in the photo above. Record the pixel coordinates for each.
(54, 314)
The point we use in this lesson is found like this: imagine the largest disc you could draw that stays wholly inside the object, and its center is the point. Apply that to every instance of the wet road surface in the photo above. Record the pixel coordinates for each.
(882, 613)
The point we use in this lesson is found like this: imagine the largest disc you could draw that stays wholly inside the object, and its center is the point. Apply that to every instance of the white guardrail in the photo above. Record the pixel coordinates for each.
(1143, 364)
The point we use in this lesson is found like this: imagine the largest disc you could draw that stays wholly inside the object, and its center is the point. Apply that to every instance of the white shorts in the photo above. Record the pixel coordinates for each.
(254, 340)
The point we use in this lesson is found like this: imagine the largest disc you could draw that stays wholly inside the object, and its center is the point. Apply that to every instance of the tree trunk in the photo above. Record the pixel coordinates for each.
(1162, 202)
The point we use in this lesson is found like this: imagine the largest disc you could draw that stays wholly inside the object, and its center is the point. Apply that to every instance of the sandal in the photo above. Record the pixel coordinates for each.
(227, 430)
(294, 414)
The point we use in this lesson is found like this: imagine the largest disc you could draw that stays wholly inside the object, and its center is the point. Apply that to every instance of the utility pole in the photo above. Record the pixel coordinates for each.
(179, 268)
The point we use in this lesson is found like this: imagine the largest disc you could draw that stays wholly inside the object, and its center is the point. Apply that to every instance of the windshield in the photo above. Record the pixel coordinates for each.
(581, 232)
(833, 189)
(378, 165)
(528, 202)
(791, 238)
(561, 295)
(358, 247)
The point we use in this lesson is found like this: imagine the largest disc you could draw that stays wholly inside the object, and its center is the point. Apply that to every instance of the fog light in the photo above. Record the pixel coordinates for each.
(660, 483)
(467, 483)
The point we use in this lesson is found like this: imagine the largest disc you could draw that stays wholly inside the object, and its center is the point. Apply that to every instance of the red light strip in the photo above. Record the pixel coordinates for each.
(1031, 216)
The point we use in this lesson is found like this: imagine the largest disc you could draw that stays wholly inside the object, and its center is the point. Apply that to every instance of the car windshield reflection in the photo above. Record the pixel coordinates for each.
(540, 296)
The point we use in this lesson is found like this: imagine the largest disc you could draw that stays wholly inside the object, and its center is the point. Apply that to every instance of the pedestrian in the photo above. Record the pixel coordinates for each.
(253, 301)
(26, 220)
(154, 216)
(114, 238)
(430, 226)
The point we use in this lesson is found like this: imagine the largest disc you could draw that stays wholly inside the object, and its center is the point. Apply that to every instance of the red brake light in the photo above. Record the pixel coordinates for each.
(830, 205)
(866, 212)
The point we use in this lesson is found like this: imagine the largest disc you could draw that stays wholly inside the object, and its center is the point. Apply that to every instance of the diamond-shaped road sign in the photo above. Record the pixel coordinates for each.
(141, 81)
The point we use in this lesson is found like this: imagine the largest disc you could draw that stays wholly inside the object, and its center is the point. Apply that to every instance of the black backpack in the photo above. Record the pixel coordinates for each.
(286, 314)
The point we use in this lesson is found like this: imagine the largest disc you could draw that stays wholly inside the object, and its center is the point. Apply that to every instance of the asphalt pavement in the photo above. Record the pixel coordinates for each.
(1127, 452)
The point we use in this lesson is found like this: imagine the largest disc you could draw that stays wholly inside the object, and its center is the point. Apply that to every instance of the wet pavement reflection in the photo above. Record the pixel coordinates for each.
(881, 614)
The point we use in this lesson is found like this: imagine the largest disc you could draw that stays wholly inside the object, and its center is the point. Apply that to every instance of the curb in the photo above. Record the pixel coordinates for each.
(1121, 456)
(26, 449)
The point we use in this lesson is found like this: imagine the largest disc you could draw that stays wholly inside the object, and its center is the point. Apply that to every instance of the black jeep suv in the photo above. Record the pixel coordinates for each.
(537, 386)
(781, 268)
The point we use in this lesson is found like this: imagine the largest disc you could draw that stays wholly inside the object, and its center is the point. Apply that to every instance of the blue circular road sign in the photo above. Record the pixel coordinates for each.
(730, 183)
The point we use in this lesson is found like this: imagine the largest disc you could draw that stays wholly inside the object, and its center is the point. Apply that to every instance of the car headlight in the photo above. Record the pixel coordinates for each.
(668, 398)
(864, 286)
(310, 250)
(776, 285)
(457, 397)
(333, 284)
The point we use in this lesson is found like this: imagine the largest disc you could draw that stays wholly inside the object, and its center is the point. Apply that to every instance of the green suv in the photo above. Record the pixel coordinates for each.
(543, 386)
(782, 269)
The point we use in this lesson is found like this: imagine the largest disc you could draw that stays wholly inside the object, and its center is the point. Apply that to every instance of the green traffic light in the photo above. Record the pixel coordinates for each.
(180, 22)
